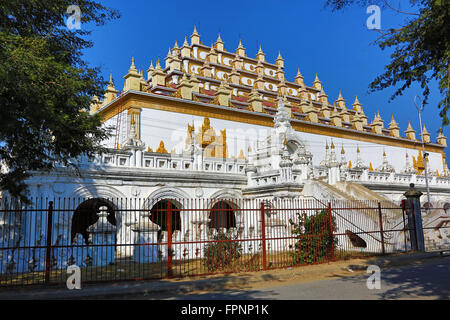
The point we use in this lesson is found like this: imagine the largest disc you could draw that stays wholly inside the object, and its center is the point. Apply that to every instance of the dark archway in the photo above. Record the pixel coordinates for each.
(222, 216)
(85, 215)
(159, 212)
(447, 208)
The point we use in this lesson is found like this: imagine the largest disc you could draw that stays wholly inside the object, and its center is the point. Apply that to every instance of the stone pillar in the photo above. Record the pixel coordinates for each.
(103, 239)
(146, 250)
(414, 218)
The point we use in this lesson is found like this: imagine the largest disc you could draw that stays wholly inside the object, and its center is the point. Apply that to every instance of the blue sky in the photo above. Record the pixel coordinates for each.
(335, 45)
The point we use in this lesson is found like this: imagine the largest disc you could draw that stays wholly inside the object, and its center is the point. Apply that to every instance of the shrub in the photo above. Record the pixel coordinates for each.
(221, 253)
(315, 240)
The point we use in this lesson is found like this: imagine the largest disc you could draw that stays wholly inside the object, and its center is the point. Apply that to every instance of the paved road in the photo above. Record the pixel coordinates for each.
(429, 280)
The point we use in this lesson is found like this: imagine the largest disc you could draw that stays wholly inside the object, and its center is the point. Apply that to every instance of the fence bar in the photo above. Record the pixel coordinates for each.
(263, 236)
(404, 223)
(380, 215)
(331, 231)
(169, 240)
(49, 242)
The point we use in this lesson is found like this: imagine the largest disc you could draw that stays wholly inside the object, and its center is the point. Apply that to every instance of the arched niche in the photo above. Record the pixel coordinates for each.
(85, 215)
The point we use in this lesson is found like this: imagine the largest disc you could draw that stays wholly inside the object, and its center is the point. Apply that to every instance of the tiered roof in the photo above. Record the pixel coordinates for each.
(212, 75)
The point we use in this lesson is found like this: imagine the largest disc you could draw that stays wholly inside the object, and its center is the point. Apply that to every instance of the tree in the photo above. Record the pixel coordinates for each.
(46, 88)
(421, 48)
(315, 239)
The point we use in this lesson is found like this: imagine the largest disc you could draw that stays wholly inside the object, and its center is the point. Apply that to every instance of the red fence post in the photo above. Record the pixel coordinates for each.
(169, 240)
(331, 231)
(381, 228)
(404, 222)
(48, 251)
(263, 235)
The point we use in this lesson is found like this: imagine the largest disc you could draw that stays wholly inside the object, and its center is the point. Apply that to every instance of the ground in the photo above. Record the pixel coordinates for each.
(418, 275)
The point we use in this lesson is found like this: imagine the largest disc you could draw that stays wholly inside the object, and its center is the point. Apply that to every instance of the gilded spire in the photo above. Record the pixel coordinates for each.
(240, 50)
(340, 101)
(185, 43)
(299, 78)
(260, 50)
(158, 65)
(260, 55)
(357, 105)
(195, 37)
(317, 84)
(150, 70)
(111, 82)
(132, 67)
(195, 33)
(280, 61)
(219, 43)
(279, 56)
(409, 129)
(219, 39)
(410, 132)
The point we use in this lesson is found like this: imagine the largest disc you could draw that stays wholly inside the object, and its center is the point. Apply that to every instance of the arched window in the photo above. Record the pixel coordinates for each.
(427, 207)
(85, 215)
(159, 212)
(222, 216)
(447, 208)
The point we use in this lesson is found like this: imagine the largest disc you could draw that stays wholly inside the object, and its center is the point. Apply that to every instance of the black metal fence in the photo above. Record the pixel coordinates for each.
(137, 239)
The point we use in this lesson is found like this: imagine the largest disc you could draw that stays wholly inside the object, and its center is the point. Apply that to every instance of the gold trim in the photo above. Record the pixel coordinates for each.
(136, 100)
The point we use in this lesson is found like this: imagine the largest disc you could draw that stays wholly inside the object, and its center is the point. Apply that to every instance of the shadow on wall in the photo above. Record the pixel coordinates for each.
(85, 215)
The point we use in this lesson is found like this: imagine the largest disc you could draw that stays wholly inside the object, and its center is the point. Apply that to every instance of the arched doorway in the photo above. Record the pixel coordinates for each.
(85, 215)
(447, 208)
(159, 212)
(222, 215)
(427, 207)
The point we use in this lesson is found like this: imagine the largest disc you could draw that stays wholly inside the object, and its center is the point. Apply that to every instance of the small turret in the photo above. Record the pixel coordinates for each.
(299, 79)
(441, 139)
(394, 130)
(260, 56)
(317, 84)
(132, 78)
(219, 43)
(340, 102)
(240, 49)
(195, 37)
(357, 105)
(425, 135)
(280, 61)
(185, 49)
(410, 133)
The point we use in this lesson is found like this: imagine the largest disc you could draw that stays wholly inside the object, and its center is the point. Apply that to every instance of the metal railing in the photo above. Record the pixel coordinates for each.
(138, 239)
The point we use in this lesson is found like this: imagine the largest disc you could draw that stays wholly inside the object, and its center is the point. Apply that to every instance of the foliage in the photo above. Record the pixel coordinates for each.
(45, 88)
(222, 252)
(315, 241)
(421, 48)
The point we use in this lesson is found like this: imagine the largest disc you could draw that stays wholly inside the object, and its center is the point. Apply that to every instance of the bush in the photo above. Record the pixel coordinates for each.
(315, 240)
(221, 253)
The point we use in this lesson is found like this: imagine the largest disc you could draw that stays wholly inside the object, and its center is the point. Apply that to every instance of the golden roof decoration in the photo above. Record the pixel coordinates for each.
(161, 148)
(409, 129)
